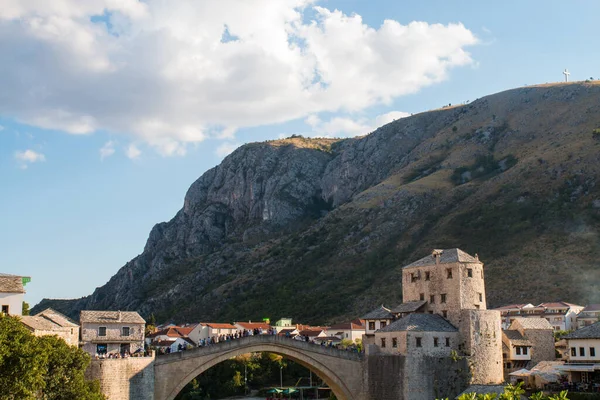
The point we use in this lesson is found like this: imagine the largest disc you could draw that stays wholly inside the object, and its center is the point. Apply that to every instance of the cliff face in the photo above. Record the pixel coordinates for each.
(319, 229)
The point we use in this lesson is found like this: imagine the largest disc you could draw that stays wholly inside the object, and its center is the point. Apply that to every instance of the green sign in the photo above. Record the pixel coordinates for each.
(26, 280)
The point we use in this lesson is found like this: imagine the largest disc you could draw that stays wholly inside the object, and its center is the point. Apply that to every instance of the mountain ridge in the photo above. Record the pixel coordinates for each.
(319, 229)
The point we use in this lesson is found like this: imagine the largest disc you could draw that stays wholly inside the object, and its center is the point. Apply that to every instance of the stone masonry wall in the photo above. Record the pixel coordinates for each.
(481, 336)
(394, 377)
(124, 379)
(543, 345)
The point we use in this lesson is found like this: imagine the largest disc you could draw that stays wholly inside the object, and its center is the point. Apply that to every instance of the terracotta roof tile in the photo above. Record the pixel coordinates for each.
(221, 325)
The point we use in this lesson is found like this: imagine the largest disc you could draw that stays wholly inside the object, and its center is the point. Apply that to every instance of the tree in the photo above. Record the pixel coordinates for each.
(65, 372)
(41, 367)
(25, 308)
(21, 362)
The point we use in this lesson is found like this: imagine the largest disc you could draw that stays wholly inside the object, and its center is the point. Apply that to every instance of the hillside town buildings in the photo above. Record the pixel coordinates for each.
(561, 315)
(444, 311)
(588, 316)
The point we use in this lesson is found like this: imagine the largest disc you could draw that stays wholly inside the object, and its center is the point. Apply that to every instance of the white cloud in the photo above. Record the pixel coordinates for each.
(24, 158)
(159, 71)
(1, 128)
(349, 127)
(226, 148)
(391, 116)
(133, 152)
(107, 150)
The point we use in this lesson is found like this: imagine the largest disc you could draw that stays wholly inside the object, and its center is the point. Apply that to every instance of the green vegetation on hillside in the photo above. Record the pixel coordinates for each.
(41, 367)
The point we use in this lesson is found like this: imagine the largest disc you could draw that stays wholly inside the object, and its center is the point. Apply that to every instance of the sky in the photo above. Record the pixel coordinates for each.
(109, 110)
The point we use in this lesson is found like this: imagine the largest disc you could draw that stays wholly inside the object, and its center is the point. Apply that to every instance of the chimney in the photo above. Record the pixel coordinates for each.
(436, 253)
(477, 256)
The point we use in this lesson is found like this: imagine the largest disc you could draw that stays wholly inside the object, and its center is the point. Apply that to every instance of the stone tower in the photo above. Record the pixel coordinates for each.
(452, 283)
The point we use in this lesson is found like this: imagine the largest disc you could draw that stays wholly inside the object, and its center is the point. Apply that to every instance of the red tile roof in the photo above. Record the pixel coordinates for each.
(310, 333)
(219, 325)
(347, 326)
(254, 325)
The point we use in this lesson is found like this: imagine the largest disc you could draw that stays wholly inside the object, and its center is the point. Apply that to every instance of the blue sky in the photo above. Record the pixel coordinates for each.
(104, 129)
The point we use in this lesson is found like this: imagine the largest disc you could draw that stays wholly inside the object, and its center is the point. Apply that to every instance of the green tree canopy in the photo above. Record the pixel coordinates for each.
(41, 367)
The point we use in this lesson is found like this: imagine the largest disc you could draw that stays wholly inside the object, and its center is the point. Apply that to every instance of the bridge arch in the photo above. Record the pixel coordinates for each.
(341, 370)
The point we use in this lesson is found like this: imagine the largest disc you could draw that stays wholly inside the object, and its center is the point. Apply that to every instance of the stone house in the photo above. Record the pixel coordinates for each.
(584, 354)
(111, 332)
(205, 330)
(12, 291)
(588, 316)
(422, 334)
(377, 319)
(526, 343)
(444, 297)
(51, 322)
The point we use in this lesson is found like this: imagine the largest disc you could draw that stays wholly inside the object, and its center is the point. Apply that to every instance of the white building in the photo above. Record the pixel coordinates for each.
(561, 315)
(349, 330)
(588, 316)
(11, 293)
(205, 330)
(377, 319)
(583, 354)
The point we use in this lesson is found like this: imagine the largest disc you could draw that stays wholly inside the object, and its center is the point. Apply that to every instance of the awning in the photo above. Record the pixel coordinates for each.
(521, 372)
(579, 367)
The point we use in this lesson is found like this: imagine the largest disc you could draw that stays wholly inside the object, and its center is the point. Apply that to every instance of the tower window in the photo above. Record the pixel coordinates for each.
(427, 275)
(447, 342)
(445, 314)
(421, 296)
(449, 273)
(382, 342)
(470, 272)
(432, 299)
(480, 297)
(394, 342)
(419, 343)
(435, 342)
(413, 277)
(443, 296)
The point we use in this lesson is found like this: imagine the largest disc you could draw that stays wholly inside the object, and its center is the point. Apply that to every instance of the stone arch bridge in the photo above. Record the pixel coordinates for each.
(343, 371)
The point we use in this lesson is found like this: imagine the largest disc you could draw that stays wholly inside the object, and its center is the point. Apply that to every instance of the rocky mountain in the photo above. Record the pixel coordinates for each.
(319, 229)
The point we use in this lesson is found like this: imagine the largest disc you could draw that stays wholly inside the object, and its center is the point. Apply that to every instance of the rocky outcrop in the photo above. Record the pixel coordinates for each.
(319, 229)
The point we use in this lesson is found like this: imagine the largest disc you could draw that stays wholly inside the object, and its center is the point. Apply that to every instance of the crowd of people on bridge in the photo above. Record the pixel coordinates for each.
(237, 335)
